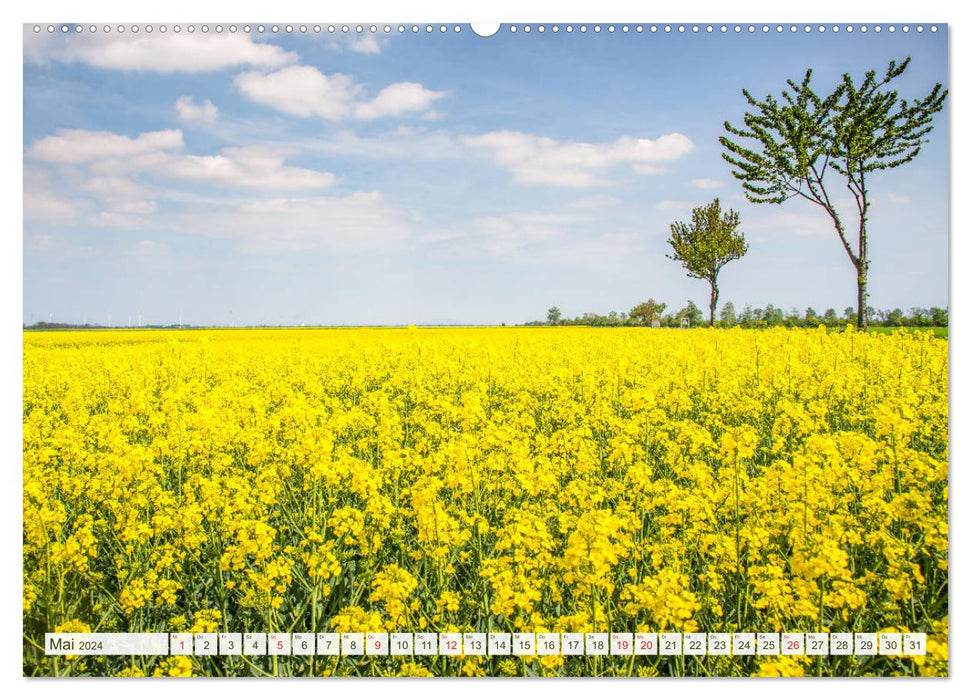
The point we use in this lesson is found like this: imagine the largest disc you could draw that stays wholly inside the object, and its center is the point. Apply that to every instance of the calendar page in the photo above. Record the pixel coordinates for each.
(550, 349)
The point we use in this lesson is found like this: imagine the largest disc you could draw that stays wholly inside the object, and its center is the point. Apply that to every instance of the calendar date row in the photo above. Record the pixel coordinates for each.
(493, 644)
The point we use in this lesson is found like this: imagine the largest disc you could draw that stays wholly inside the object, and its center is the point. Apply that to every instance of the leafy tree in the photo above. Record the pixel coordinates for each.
(644, 314)
(848, 313)
(690, 312)
(773, 316)
(895, 317)
(553, 316)
(830, 317)
(919, 316)
(812, 318)
(748, 316)
(794, 318)
(938, 316)
(804, 142)
(727, 314)
(705, 246)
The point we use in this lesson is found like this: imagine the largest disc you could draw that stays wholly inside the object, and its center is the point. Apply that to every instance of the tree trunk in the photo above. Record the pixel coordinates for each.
(862, 265)
(861, 274)
(712, 304)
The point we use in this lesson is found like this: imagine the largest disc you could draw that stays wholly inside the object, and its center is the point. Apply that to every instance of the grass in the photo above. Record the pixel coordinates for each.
(938, 331)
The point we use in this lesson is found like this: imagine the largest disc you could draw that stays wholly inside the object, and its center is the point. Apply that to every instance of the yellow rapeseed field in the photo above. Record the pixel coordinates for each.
(557, 479)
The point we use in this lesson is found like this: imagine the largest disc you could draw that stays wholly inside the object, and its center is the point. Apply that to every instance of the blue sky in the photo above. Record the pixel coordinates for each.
(435, 178)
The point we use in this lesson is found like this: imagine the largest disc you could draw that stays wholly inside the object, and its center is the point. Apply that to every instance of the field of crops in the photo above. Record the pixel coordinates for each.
(562, 479)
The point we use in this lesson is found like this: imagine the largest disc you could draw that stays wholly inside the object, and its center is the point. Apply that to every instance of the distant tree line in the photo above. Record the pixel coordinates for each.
(57, 325)
(652, 313)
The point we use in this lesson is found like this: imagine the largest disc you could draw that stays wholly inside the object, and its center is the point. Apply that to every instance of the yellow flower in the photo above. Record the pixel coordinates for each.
(206, 621)
(780, 666)
(180, 666)
(411, 669)
(130, 672)
(508, 667)
(73, 626)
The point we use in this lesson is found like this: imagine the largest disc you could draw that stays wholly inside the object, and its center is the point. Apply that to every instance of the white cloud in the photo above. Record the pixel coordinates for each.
(114, 187)
(356, 222)
(306, 92)
(595, 202)
(151, 248)
(107, 193)
(128, 215)
(645, 169)
(803, 220)
(163, 53)
(810, 224)
(109, 180)
(536, 159)
(367, 43)
(404, 142)
(54, 247)
(117, 201)
(249, 167)
(704, 183)
(74, 146)
(607, 248)
(142, 206)
(501, 235)
(114, 161)
(396, 99)
(189, 110)
(43, 205)
(39, 242)
(900, 199)
(550, 236)
(673, 205)
(302, 91)
(44, 202)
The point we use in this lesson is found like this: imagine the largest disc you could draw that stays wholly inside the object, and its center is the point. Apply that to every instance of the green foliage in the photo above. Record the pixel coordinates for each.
(804, 141)
(553, 316)
(938, 316)
(691, 313)
(769, 317)
(707, 244)
(644, 314)
(773, 316)
(727, 315)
